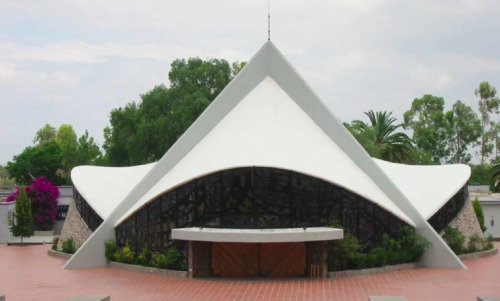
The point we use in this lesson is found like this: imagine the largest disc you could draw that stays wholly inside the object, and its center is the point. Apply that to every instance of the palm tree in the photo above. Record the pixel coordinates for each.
(495, 177)
(380, 139)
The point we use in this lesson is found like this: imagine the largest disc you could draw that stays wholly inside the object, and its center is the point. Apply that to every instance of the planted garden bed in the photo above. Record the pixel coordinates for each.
(59, 254)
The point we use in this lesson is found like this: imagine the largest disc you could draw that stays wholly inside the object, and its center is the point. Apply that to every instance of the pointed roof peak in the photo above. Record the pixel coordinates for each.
(269, 61)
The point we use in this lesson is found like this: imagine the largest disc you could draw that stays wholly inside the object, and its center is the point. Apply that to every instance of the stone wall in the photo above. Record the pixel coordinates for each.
(75, 227)
(148, 270)
(466, 222)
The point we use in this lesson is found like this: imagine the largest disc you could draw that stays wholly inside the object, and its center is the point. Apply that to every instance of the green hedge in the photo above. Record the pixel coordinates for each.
(171, 259)
(67, 245)
(348, 254)
(479, 213)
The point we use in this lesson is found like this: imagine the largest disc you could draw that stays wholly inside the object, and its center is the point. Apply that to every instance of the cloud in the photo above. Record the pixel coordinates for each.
(8, 71)
(429, 76)
(11, 73)
(82, 52)
(74, 61)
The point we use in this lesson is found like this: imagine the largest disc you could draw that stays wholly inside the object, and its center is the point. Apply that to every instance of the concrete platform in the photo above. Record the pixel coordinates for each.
(23, 267)
(488, 298)
(88, 298)
(387, 298)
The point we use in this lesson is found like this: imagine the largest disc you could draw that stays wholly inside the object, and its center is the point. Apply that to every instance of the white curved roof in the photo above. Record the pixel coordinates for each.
(268, 129)
(268, 116)
(105, 187)
(428, 187)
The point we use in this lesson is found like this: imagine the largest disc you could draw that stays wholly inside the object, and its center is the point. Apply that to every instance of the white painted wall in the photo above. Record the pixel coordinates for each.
(258, 235)
(479, 188)
(492, 218)
(5, 208)
(65, 197)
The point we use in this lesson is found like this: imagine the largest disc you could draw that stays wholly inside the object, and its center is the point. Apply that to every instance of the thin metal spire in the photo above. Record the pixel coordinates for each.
(268, 21)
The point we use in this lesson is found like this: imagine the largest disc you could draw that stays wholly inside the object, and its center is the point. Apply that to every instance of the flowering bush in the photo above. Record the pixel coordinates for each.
(43, 196)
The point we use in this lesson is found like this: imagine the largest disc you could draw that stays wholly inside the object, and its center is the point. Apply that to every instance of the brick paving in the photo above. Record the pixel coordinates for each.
(28, 273)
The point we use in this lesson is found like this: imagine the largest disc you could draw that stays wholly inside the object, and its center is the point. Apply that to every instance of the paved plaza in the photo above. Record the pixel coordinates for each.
(28, 273)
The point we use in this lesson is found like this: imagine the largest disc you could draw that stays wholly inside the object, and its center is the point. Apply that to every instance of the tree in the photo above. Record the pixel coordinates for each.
(36, 162)
(464, 130)
(121, 137)
(488, 104)
(45, 135)
(5, 179)
(66, 139)
(88, 152)
(421, 157)
(208, 78)
(427, 120)
(43, 195)
(381, 139)
(56, 153)
(495, 177)
(21, 226)
(480, 174)
(364, 134)
(142, 132)
(43, 199)
(495, 136)
(236, 67)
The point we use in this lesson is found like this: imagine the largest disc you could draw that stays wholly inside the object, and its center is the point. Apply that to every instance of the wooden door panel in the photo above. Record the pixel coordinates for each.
(283, 259)
(235, 259)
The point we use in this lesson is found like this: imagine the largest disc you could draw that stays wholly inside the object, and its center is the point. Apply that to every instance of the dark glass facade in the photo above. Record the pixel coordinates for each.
(91, 218)
(251, 198)
(450, 210)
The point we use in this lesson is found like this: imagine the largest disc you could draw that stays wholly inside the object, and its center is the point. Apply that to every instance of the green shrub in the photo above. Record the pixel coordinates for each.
(171, 259)
(68, 245)
(489, 242)
(144, 257)
(455, 239)
(111, 249)
(157, 260)
(183, 266)
(348, 253)
(413, 244)
(478, 243)
(125, 254)
(479, 214)
(174, 259)
(342, 254)
(54, 243)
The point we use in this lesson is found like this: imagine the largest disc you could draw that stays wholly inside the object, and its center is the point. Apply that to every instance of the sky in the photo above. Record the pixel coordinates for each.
(74, 61)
